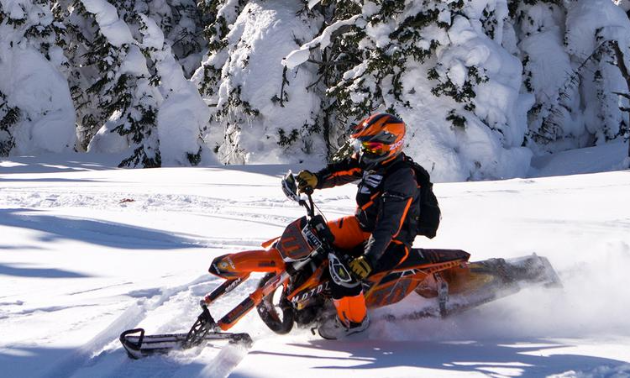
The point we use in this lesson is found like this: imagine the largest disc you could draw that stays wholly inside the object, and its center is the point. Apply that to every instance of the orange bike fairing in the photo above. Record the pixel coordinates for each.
(314, 280)
(267, 244)
(241, 264)
(393, 291)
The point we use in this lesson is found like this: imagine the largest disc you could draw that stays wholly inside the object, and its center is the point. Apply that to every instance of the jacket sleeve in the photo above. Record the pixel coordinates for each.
(341, 173)
(398, 195)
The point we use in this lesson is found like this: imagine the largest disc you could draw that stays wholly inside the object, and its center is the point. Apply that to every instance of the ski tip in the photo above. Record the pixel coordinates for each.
(132, 347)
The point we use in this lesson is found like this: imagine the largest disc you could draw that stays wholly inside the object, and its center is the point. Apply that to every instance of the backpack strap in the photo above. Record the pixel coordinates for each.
(405, 162)
(423, 178)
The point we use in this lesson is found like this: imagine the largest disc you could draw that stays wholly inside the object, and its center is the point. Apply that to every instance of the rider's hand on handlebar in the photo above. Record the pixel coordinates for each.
(306, 179)
(360, 267)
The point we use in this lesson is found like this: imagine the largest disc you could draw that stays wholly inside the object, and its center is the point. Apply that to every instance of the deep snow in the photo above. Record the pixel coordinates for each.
(88, 251)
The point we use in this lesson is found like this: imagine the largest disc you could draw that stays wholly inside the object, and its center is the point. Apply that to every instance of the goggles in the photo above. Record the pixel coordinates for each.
(375, 148)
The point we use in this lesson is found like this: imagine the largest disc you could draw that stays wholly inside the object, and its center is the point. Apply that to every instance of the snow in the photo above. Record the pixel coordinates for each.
(89, 250)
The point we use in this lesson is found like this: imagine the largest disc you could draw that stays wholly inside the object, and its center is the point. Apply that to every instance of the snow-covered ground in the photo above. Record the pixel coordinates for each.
(88, 251)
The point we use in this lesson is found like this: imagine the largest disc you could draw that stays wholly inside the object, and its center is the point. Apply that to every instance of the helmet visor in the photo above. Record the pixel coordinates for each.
(375, 148)
(370, 147)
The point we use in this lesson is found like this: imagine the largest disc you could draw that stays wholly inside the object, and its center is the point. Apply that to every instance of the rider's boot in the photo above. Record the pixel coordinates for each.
(335, 329)
(351, 318)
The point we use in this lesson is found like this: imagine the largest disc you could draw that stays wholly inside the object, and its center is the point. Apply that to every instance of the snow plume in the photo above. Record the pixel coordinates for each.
(36, 110)
(264, 112)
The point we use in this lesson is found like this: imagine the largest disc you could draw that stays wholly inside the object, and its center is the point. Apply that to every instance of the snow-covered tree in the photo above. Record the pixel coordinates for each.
(154, 112)
(9, 117)
(261, 111)
(125, 89)
(82, 46)
(438, 64)
(570, 66)
(182, 23)
(224, 14)
(36, 112)
(183, 115)
(592, 27)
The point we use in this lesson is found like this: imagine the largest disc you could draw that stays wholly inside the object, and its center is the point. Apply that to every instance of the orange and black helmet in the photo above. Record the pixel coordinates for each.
(379, 138)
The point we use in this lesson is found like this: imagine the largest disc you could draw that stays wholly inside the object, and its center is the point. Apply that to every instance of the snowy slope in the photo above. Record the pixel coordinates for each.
(88, 251)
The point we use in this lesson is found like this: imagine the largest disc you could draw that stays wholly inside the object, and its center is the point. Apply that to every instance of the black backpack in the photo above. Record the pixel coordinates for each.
(428, 221)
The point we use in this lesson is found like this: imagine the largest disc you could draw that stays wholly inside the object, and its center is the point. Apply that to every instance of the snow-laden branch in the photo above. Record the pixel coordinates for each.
(301, 55)
(183, 114)
(113, 28)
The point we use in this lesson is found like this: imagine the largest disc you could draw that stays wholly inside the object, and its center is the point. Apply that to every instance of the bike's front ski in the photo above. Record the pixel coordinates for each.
(138, 344)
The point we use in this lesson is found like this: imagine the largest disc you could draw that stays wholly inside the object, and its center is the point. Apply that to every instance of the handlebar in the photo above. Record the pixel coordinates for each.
(290, 189)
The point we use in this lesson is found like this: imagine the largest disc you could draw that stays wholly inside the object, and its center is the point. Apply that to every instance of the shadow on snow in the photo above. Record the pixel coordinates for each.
(22, 270)
(103, 233)
(28, 362)
(502, 358)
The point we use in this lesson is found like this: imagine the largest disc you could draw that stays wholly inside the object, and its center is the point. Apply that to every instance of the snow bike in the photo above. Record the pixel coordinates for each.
(295, 287)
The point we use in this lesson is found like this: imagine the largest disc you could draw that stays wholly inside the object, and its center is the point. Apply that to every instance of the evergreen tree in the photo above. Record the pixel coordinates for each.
(417, 59)
(261, 112)
(183, 115)
(126, 90)
(33, 98)
(576, 88)
(9, 117)
(153, 110)
(550, 78)
(80, 42)
(181, 21)
(224, 14)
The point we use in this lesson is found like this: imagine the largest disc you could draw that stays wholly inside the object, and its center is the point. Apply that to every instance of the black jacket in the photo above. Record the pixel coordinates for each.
(386, 200)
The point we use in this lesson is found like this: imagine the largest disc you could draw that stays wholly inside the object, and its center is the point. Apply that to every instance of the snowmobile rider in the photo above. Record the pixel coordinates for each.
(380, 233)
